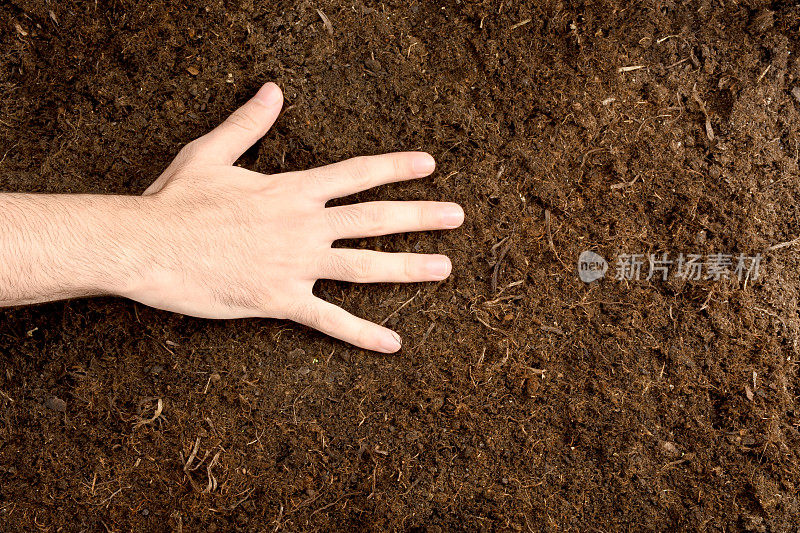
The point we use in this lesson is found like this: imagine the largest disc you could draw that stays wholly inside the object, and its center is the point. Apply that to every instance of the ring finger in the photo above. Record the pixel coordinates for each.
(367, 266)
(371, 219)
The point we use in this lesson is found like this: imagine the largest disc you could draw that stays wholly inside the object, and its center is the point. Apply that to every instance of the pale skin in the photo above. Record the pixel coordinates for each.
(214, 240)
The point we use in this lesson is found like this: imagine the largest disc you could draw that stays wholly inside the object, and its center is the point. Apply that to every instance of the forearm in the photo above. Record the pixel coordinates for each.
(54, 247)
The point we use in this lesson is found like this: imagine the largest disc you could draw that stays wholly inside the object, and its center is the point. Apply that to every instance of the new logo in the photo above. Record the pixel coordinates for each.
(591, 266)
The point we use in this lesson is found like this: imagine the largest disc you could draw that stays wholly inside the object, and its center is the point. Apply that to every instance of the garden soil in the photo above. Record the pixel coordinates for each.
(523, 399)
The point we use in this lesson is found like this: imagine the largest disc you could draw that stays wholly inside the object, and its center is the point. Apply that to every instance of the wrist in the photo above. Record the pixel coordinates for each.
(133, 247)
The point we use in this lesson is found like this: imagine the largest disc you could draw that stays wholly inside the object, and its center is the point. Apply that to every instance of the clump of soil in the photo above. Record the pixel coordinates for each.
(523, 399)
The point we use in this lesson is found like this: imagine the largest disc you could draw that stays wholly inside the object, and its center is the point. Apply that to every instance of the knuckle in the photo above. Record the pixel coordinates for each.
(357, 267)
(243, 119)
(409, 267)
(343, 217)
(361, 267)
(422, 214)
(360, 172)
(363, 336)
(330, 266)
(364, 218)
(305, 313)
(319, 177)
(269, 185)
(189, 150)
(397, 167)
(371, 218)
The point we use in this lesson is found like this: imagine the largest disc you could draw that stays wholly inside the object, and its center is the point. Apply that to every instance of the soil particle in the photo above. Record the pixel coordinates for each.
(56, 404)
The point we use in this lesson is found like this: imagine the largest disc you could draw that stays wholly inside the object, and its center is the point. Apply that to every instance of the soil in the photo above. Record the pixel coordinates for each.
(524, 399)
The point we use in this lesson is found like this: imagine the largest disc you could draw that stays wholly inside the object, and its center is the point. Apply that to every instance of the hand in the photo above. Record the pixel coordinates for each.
(230, 243)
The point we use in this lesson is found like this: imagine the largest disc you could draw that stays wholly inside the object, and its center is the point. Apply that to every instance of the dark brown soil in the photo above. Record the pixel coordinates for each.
(536, 403)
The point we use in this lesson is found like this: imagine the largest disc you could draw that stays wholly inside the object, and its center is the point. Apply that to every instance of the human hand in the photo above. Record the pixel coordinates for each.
(229, 243)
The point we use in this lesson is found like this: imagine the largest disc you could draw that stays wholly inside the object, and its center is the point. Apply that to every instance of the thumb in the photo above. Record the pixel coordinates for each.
(227, 142)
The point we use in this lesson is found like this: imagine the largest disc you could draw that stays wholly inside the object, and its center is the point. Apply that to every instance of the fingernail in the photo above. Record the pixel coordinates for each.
(423, 164)
(391, 342)
(269, 94)
(438, 267)
(453, 216)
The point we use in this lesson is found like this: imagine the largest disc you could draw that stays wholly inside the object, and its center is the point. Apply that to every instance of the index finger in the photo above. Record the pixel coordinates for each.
(365, 172)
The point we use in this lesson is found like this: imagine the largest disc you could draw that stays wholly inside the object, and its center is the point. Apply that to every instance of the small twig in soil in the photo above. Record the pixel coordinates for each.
(499, 364)
(9, 150)
(278, 520)
(501, 299)
(630, 68)
(212, 480)
(708, 299)
(211, 425)
(240, 502)
(374, 479)
(782, 245)
(328, 359)
(107, 500)
(674, 463)
(294, 403)
(257, 439)
(696, 97)
(188, 463)
(411, 487)
(587, 154)
(400, 308)
(648, 119)
(520, 24)
(450, 175)
(497, 263)
(326, 507)
(773, 315)
(624, 184)
(156, 416)
(498, 245)
(482, 321)
(549, 231)
(550, 238)
(763, 74)
(189, 466)
(425, 336)
(681, 62)
(553, 329)
(537, 371)
(326, 21)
